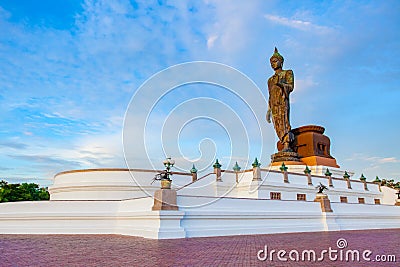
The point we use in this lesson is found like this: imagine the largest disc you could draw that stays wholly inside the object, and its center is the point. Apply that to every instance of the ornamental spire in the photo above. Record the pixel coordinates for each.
(277, 55)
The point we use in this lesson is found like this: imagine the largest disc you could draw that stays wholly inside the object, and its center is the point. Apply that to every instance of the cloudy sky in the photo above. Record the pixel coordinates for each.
(69, 69)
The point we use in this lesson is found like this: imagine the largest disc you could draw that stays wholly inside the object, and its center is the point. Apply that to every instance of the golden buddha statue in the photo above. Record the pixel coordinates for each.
(280, 85)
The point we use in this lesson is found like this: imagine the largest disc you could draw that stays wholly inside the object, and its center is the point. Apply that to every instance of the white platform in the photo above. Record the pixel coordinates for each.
(110, 202)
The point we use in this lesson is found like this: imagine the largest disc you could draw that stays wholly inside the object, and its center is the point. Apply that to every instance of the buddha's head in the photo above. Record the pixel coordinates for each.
(276, 60)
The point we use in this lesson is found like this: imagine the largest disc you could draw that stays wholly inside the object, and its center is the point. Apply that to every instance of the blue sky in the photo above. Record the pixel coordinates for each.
(68, 70)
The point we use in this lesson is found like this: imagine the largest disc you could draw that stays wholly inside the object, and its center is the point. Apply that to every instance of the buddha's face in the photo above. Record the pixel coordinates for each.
(276, 63)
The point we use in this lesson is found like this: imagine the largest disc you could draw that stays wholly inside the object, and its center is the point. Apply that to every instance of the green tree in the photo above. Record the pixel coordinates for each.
(390, 183)
(22, 192)
(43, 194)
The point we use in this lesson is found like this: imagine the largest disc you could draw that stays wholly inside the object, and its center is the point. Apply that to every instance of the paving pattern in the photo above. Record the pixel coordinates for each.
(116, 250)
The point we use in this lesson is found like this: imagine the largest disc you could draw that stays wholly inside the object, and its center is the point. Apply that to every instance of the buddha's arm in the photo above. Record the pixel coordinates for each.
(288, 84)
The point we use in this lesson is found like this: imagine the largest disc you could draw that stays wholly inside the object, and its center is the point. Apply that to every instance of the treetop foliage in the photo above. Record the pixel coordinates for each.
(22, 192)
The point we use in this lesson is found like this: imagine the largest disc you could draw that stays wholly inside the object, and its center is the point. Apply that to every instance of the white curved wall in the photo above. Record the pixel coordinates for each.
(272, 181)
(118, 184)
(390, 195)
(108, 184)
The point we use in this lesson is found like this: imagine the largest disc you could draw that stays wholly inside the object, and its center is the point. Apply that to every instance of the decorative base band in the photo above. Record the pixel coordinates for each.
(287, 163)
(285, 156)
(317, 160)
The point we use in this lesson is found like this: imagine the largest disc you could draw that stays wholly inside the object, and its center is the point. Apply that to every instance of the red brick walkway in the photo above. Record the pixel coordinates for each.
(115, 250)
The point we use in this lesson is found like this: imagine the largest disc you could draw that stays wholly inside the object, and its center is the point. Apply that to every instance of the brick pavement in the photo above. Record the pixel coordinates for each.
(115, 250)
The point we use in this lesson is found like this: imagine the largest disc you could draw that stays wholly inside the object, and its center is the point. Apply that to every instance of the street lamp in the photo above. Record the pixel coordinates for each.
(168, 163)
(166, 175)
(397, 187)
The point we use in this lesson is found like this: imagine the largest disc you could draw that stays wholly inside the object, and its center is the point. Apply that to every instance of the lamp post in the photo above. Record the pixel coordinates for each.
(168, 163)
(165, 198)
(397, 187)
(323, 198)
(165, 177)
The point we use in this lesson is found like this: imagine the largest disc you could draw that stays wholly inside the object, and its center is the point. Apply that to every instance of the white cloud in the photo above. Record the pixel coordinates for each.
(211, 40)
(298, 24)
(301, 86)
(4, 14)
(374, 159)
(380, 160)
(231, 27)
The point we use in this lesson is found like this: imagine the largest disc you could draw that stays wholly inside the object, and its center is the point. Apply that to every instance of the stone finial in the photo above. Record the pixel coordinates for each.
(256, 163)
(236, 168)
(364, 180)
(193, 171)
(377, 180)
(283, 167)
(307, 170)
(256, 170)
(346, 176)
(217, 165)
(217, 170)
(328, 173)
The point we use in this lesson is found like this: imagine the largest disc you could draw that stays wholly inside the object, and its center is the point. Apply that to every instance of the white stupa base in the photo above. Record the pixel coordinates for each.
(205, 208)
